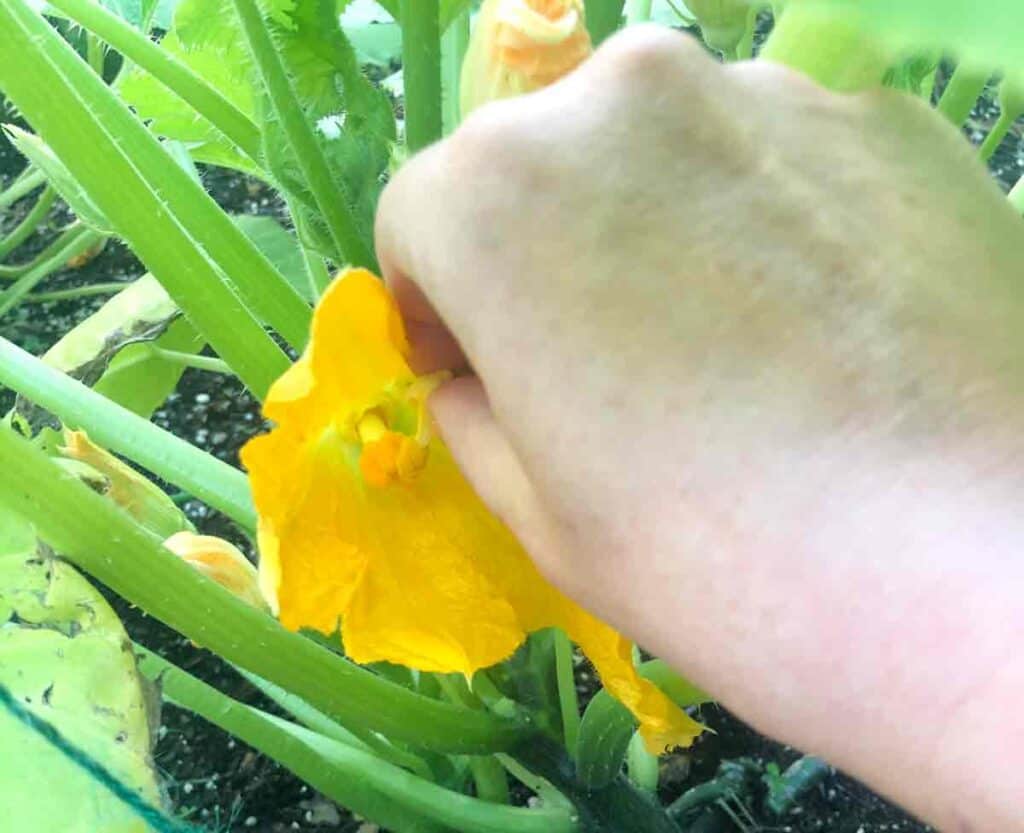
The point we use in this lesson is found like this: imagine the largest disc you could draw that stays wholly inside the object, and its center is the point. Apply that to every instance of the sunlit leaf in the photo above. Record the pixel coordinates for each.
(986, 32)
(99, 351)
(170, 117)
(279, 246)
(65, 656)
(39, 154)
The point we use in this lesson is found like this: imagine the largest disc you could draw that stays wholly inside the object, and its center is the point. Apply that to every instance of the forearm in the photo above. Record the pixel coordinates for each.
(869, 612)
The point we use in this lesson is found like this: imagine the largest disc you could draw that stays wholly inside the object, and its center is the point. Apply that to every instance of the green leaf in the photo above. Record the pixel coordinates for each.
(603, 18)
(279, 246)
(191, 246)
(354, 119)
(315, 141)
(65, 656)
(142, 13)
(349, 774)
(99, 351)
(355, 779)
(607, 725)
(139, 380)
(528, 678)
(171, 117)
(123, 432)
(373, 32)
(83, 525)
(983, 32)
(915, 75)
(449, 10)
(39, 154)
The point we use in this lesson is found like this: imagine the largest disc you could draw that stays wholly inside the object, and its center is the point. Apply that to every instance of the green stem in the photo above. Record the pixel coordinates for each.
(23, 185)
(835, 51)
(1016, 196)
(77, 292)
(490, 779)
(317, 273)
(316, 172)
(99, 537)
(801, 776)
(322, 724)
(568, 700)
(123, 432)
(603, 18)
(607, 725)
(745, 48)
(684, 18)
(488, 773)
(638, 11)
(16, 270)
(166, 69)
(962, 93)
(457, 691)
(94, 53)
(421, 69)
(353, 777)
(641, 765)
(218, 277)
(208, 363)
(75, 244)
(454, 43)
(543, 788)
(614, 807)
(730, 781)
(23, 231)
(997, 134)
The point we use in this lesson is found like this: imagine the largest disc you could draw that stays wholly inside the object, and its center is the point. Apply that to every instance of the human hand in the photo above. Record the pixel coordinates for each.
(741, 348)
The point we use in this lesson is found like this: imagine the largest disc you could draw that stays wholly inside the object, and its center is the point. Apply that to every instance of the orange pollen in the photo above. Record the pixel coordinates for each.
(388, 457)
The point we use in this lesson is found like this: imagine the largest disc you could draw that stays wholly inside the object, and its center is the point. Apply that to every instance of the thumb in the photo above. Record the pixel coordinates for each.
(482, 451)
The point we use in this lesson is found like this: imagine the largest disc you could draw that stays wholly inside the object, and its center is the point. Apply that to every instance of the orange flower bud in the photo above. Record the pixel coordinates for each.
(519, 46)
(216, 559)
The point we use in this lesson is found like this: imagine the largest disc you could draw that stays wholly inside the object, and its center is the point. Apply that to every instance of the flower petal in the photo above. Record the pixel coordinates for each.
(662, 723)
(406, 557)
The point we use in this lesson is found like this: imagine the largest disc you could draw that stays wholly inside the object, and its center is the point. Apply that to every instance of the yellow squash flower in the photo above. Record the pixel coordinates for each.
(364, 519)
(519, 46)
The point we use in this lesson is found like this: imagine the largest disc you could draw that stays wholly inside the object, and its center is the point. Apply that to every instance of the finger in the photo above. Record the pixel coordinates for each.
(403, 235)
(483, 453)
(432, 345)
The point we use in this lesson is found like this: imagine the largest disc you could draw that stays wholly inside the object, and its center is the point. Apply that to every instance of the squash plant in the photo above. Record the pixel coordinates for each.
(415, 687)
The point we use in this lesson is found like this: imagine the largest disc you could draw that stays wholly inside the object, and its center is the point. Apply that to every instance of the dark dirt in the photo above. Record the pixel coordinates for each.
(220, 783)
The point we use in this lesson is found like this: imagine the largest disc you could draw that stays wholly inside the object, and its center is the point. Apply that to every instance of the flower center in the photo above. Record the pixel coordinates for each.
(395, 436)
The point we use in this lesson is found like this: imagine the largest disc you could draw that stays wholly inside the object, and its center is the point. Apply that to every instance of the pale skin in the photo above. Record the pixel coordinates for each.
(743, 368)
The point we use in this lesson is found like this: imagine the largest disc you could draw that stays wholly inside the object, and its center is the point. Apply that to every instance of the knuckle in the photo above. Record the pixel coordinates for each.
(651, 52)
(487, 136)
(773, 77)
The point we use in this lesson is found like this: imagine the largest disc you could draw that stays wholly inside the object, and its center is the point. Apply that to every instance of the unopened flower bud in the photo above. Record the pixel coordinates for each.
(135, 494)
(220, 561)
(519, 46)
